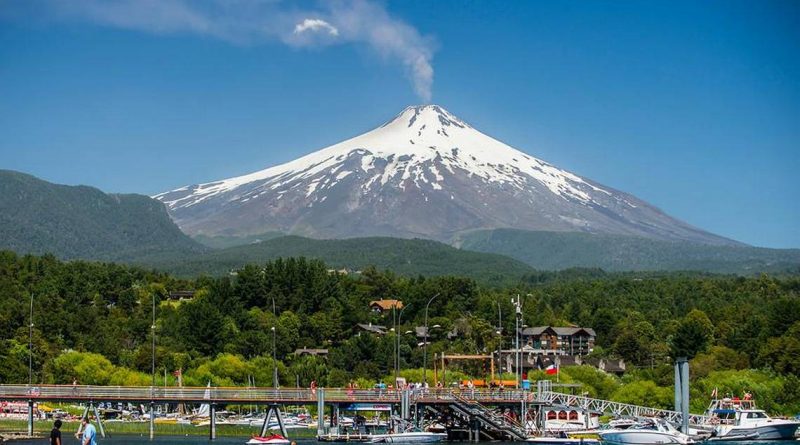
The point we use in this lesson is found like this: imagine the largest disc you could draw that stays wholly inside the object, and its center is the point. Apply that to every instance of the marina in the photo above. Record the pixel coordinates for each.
(400, 416)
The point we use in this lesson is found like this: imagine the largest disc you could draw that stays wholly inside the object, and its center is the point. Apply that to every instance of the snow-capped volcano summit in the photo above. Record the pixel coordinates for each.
(425, 173)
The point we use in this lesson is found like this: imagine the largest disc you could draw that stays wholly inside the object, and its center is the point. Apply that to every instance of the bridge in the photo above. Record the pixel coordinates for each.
(472, 406)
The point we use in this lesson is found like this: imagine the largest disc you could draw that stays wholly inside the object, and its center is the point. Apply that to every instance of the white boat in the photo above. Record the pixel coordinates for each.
(648, 431)
(563, 441)
(734, 419)
(409, 437)
(274, 439)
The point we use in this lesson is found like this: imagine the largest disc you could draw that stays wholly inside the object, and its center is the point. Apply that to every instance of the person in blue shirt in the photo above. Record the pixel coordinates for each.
(89, 433)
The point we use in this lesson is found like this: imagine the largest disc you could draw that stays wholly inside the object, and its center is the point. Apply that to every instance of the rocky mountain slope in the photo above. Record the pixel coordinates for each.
(425, 173)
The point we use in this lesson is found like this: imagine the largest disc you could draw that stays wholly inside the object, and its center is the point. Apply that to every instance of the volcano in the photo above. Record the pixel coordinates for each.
(424, 174)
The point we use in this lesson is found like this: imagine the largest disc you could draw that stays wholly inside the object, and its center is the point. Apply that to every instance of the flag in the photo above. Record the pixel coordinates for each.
(552, 369)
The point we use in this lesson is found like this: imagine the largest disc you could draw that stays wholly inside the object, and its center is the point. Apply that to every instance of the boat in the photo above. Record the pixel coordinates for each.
(409, 437)
(563, 440)
(647, 431)
(735, 419)
(272, 439)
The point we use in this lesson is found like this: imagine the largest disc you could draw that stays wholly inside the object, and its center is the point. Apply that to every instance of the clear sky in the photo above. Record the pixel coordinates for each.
(691, 106)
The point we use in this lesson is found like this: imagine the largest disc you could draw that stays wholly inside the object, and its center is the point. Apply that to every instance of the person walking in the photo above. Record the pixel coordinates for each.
(89, 436)
(55, 433)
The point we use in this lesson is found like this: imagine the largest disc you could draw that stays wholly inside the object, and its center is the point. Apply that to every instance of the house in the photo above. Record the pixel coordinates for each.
(381, 306)
(558, 340)
(181, 295)
(371, 329)
(314, 352)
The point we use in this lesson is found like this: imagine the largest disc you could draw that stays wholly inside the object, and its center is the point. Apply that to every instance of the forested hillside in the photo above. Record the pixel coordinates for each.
(403, 256)
(92, 323)
(83, 222)
(562, 250)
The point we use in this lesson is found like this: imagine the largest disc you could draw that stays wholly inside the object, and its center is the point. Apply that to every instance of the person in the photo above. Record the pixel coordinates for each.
(313, 387)
(55, 434)
(89, 433)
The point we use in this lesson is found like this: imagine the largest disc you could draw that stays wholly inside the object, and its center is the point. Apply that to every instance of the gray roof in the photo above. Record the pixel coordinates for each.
(310, 351)
(559, 330)
(375, 329)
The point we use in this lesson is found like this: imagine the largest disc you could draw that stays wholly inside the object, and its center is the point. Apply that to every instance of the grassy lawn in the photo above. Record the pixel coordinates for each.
(143, 428)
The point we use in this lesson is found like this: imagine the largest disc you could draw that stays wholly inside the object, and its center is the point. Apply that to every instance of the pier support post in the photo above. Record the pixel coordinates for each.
(273, 408)
(99, 421)
(682, 392)
(405, 413)
(678, 391)
(320, 411)
(30, 418)
(685, 396)
(152, 421)
(212, 430)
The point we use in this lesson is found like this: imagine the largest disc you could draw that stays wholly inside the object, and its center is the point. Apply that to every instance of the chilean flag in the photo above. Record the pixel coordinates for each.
(552, 369)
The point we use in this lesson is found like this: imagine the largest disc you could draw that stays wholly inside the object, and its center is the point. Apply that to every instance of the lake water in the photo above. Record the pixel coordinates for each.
(187, 440)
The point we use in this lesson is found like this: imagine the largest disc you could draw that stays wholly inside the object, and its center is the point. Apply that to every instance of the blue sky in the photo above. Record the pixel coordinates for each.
(691, 106)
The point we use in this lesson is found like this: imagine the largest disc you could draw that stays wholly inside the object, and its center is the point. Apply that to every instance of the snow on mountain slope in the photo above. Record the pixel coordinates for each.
(425, 173)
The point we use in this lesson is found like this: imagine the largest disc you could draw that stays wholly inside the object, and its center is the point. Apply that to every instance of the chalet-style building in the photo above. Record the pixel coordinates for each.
(557, 340)
(381, 306)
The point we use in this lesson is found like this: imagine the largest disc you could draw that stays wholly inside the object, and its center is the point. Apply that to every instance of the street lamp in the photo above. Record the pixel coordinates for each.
(153, 336)
(30, 346)
(518, 323)
(274, 348)
(397, 343)
(500, 333)
(274, 361)
(425, 342)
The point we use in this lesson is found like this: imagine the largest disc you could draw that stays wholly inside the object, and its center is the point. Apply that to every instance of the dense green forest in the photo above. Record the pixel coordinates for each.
(83, 222)
(92, 322)
(404, 256)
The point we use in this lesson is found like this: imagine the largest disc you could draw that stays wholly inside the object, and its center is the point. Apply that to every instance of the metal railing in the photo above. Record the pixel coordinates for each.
(191, 394)
(609, 407)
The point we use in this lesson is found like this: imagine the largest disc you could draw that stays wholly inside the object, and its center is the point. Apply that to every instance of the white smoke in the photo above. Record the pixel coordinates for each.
(249, 22)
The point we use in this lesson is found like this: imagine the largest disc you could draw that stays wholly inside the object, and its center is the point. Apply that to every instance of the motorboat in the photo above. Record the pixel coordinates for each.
(273, 439)
(734, 419)
(647, 431)
(409, 437)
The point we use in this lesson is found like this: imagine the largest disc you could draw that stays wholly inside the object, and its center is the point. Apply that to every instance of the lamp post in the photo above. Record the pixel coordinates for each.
(500, 333)
(153, 336)
(274, 348)
(274, 361)
(30, 346)
(397, 344)
(518, 323)
(425, 343)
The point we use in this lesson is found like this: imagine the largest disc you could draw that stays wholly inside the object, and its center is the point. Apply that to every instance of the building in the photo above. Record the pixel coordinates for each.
(309, 351)
(370, 329)
(381, 306)
(558, 340)
(181, 295)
